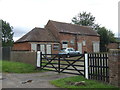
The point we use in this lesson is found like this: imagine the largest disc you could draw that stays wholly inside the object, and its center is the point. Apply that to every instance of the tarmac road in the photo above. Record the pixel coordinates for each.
(31, 80)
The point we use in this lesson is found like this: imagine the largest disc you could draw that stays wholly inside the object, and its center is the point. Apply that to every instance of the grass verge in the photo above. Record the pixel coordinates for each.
(17, 67)
(65, 83)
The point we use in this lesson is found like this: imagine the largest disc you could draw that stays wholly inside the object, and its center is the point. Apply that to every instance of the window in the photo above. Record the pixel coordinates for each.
(33, 47)
(65, 42)
(56, 46)
(84, 43)
(72, 42)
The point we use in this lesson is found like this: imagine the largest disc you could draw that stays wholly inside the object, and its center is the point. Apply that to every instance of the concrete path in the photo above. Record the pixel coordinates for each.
(32, 80)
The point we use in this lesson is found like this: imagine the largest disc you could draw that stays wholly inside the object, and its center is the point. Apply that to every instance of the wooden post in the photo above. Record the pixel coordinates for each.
(59, 64)
(39, 58)
(86, 65)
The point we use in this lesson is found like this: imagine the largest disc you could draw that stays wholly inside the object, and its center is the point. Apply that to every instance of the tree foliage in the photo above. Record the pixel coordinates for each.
(106, 37)
(87, 19)
(7, 34)
(84, 19)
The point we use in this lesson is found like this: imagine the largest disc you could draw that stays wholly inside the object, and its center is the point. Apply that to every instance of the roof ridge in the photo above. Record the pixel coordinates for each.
(38, 28)
(89, 29)
(71, 24)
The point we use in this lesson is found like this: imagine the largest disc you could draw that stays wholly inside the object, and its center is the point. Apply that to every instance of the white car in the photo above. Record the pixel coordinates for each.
(69, 51)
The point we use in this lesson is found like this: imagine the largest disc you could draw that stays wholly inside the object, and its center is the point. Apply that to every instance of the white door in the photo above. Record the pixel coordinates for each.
(33, 47)
(80, 47)
(48, 49)
(64, 45)
(42, 49)
(96, 47)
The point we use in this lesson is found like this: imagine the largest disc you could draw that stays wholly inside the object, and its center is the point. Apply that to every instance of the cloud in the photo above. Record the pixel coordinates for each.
(24, 15)
(19, 32)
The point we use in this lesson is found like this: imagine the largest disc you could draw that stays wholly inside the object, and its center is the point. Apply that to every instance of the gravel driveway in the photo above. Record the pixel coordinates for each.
(32, 80)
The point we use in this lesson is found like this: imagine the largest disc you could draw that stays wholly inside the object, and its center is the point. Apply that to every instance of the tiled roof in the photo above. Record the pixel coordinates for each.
(37, 34)
(73, 29)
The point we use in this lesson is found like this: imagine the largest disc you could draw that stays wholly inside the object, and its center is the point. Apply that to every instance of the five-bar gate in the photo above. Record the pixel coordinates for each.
(61, 64)
(91, 66)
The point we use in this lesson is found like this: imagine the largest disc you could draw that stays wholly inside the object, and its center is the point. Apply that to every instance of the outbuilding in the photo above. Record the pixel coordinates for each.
(59, 35)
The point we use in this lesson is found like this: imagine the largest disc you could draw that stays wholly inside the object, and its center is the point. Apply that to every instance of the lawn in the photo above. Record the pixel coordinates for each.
(67, 83)
(17, 67)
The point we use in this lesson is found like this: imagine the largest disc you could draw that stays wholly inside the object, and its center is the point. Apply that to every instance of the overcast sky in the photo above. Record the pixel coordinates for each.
(24, 15)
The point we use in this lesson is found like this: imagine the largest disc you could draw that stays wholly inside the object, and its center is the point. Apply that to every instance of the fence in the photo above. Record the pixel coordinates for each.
(95, 65)
(6, 53)
(98, 66)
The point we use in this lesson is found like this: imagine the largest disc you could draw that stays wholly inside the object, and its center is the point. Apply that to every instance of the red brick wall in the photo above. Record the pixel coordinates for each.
(67, 37)
(50, 27)
(22, 46)
(50, 43)
(113, 46)
(27, 46)
(61, 36)
(89, 41)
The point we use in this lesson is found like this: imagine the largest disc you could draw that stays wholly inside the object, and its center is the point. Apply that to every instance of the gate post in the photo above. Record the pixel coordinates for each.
(114, 67)
(58, 63)
(86, 65)
(39, 59)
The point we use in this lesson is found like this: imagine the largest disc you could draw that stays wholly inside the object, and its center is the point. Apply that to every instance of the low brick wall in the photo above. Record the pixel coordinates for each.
(114, 67)
(24, 56)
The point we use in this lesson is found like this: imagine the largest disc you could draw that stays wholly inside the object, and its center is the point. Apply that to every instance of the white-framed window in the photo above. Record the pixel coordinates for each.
(64, 44)
(56, 46)
(33, 47)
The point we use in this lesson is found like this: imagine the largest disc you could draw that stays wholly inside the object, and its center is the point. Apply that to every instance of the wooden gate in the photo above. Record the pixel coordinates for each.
(61, 64)
(98, 66)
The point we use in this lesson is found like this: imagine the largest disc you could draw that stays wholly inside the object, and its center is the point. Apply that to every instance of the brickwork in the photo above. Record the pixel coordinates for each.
(88, 40)
(24, 56)
(51, 28)
(68, 37)
(113, 46)
(26, 46)
(114, 67)
(48, 43)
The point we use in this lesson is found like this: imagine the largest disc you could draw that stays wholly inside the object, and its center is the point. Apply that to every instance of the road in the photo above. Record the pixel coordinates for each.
(32, 80)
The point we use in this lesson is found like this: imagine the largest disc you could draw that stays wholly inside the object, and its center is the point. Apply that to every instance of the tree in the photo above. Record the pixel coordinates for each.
(84, 19)
(106, 36)
(7, 34)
